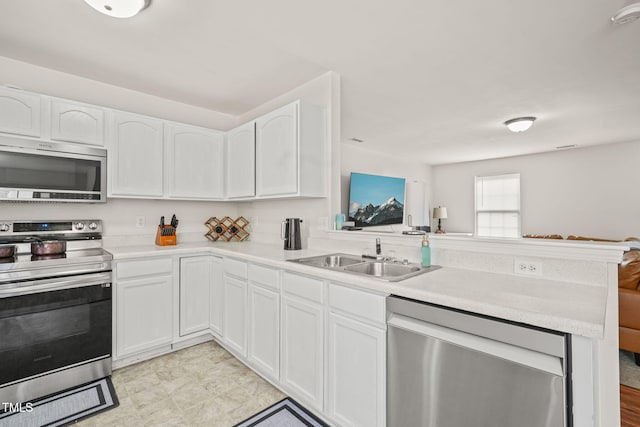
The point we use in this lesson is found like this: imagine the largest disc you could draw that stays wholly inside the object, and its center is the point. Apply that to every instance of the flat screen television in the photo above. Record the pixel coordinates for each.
(375, 200)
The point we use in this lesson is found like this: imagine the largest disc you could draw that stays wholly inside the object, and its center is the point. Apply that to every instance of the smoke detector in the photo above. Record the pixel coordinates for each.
(628, 13)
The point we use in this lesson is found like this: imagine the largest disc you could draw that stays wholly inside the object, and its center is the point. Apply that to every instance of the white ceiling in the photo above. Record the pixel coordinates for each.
(431, 79)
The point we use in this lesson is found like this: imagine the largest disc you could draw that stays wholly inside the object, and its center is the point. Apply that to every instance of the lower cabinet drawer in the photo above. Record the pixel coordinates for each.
(235, 268)
(361, 304)
(143, 267)
(303, 286)
(265, 276)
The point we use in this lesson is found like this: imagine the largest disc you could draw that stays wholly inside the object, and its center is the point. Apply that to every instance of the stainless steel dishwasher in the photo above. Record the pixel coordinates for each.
(449, 368)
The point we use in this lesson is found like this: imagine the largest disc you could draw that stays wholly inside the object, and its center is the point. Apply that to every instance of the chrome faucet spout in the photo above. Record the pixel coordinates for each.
(378, 246)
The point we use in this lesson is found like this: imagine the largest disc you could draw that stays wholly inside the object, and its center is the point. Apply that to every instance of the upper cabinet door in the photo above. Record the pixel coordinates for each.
(135, 156)
(241, 160)
(277, 152)
(77, 123)
(19, 112)
(195, 162)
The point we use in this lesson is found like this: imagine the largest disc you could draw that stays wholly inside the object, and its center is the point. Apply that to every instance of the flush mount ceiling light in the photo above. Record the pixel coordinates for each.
(628, 13)
(118, 8)
(520, 124)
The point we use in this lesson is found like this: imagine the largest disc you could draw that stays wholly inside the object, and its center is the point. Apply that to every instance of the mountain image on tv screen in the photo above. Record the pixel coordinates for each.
(375, 200)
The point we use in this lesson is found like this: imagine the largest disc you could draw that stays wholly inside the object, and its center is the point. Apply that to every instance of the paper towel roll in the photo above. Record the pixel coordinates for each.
(414, 204)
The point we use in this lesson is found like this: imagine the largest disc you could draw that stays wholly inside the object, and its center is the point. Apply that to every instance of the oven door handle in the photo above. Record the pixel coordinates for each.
(55, 284)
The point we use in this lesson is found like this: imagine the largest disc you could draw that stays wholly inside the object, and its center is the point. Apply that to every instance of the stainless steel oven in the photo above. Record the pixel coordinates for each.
(41, 171)
(55, 310)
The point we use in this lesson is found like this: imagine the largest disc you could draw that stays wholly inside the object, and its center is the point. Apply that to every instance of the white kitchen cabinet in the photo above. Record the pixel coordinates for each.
(264, 330)
(263, 350)
(20, 112)
(302, 338)
(241, 160)
(75, 122)
(291, 152)
(234, 325)
(356, 357)
(357, 369)
(277, 152)
(195, 162)
(135, 156)
(302, 349)
(216, 295)
(144, 302)
(235, 310)
(196, 283)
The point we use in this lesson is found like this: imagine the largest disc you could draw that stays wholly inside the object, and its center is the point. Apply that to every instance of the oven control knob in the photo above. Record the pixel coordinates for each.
(4, 227)
(93, 226)
(79, 226)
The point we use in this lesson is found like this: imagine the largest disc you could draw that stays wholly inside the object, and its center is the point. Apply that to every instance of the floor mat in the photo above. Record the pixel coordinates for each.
(286, 413)
(63, 408)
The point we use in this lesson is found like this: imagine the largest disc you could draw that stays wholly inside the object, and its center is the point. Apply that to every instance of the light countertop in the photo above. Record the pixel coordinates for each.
(563, 306)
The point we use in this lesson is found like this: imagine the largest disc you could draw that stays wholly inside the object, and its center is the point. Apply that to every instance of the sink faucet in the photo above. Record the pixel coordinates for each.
(378, 255)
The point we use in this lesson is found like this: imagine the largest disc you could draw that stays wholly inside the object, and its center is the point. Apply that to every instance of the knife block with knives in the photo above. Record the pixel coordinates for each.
(166, 233)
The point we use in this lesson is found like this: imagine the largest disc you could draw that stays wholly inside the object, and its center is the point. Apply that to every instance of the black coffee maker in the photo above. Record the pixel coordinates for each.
(290, 233)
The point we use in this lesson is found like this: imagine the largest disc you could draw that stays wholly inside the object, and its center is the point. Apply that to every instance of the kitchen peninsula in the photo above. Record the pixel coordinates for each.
(252, 292)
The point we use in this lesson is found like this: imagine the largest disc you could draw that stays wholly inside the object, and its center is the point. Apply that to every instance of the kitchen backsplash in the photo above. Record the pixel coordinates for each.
(266, 218)
(120, 216)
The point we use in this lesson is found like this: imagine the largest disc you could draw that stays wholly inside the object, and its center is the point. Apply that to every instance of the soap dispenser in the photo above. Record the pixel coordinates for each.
(426, 252)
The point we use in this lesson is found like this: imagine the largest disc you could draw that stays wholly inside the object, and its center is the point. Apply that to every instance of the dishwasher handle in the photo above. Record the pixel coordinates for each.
(522, 356)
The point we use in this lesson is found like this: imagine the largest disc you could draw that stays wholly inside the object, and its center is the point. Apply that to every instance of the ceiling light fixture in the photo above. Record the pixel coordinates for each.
(520, 124)
(628, 13)
(118, 8)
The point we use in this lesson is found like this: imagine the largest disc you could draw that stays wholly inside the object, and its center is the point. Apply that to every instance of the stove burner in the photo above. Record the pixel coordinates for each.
(46, 257)
(50, 249)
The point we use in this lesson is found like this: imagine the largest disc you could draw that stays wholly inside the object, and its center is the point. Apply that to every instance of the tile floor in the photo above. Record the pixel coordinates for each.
(201, 385)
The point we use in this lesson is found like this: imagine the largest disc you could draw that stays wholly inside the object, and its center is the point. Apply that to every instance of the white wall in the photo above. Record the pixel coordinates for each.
(588, 191)
(359, 159)
(119, 216)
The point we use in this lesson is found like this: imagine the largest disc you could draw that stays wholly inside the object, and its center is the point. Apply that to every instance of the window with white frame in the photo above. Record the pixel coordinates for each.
(498, 205)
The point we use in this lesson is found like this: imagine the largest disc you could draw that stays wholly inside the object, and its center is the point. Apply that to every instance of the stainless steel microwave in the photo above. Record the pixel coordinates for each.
(43, 171)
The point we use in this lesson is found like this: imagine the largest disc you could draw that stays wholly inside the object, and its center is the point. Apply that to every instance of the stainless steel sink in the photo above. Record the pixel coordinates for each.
(391, 271)
(330, 261)
(381, 269)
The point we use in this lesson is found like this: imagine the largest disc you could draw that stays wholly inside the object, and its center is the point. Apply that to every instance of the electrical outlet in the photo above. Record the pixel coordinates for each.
(140, 222)
(528, 267)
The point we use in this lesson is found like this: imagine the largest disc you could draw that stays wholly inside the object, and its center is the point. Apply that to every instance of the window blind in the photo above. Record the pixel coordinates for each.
(498, 205)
